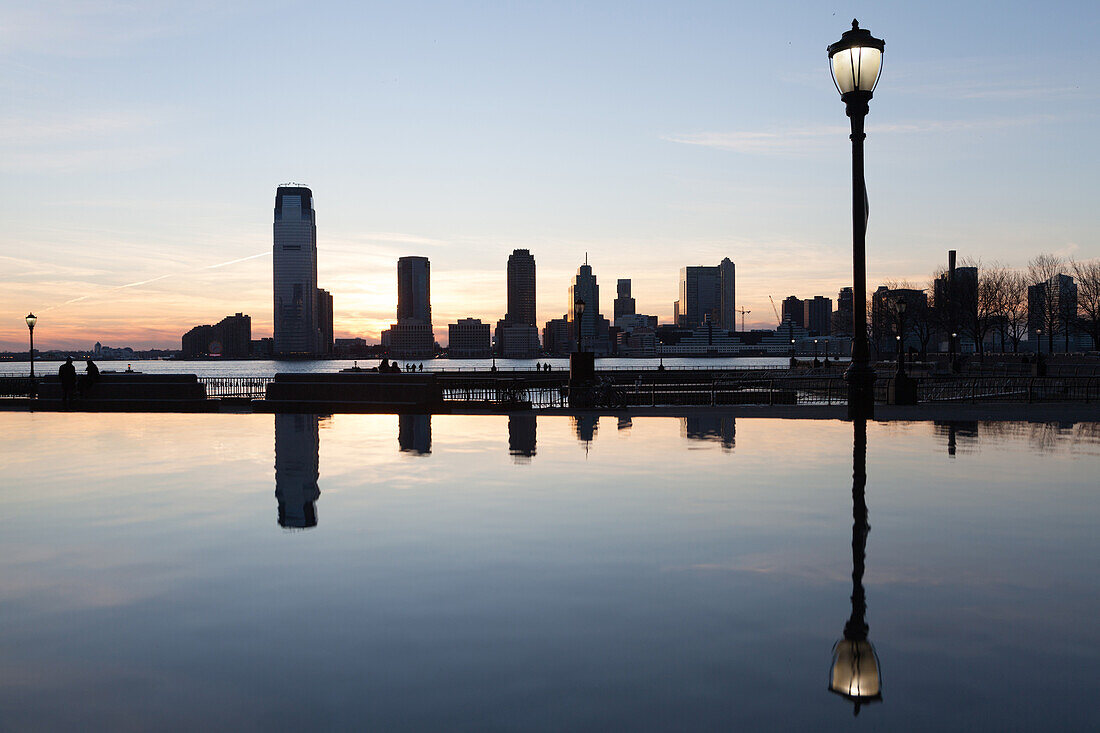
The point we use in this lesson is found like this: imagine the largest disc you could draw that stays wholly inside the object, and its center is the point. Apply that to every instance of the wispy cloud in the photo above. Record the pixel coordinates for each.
(801, 141)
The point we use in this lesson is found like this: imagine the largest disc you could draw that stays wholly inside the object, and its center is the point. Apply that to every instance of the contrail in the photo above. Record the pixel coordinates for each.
(154, 279)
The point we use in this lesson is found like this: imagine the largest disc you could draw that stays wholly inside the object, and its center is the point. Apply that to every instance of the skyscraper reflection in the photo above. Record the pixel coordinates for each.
(586, 427)
(521, 437)
(414, 434)
(718, 428)
(297, 444)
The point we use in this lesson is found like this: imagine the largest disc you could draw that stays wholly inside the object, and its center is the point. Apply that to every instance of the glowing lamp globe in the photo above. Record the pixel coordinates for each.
(31, 320)
(856, 60)
(855, 673)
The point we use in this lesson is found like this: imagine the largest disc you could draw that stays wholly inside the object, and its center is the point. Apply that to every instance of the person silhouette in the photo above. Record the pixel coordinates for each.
(421, 366)
(67, 375)
(88, 380)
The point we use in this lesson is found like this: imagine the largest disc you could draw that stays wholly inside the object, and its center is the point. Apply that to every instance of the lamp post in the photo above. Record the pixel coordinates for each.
(855, 62)
(31, 320)
(954, 363)
(899, 309)
(854, 674)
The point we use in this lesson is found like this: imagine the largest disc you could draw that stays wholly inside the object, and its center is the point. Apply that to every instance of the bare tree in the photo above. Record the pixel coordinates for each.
(988, 310)
(1087, 274)
(1014, 308)
(1042, 270)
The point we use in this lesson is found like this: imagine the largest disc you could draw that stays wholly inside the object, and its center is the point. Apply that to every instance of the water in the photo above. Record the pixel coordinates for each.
(258, 572)
(268, 367)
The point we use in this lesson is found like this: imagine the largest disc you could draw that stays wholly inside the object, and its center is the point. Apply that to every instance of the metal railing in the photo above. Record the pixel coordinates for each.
(254, 388)
(17, 385)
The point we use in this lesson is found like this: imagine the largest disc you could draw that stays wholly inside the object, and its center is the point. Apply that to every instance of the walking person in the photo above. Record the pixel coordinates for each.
(67, 375)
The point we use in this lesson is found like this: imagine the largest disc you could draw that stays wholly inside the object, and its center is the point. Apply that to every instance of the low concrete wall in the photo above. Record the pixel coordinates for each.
(352, 392)
(131, 392)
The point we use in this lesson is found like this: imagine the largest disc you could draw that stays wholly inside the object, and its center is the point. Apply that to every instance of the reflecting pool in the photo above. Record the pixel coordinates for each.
(292, 572)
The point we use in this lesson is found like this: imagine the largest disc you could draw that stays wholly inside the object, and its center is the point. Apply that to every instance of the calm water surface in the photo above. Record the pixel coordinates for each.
(248, 572)
(268, 367)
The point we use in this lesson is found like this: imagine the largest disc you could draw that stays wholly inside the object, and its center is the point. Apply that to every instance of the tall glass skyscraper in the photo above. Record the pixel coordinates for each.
(521, 288)
(414, 295)
(294, 262)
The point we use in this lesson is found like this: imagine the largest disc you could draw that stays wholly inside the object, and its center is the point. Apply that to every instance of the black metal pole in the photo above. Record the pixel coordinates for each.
(860, 375)
(32, 353)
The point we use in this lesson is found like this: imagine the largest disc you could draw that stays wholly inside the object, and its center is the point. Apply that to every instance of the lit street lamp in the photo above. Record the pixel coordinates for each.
(855, 62)
(31, 320)
(899, 309)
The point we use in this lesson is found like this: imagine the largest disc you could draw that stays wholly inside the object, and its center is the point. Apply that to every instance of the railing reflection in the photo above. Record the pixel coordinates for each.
(297, 444)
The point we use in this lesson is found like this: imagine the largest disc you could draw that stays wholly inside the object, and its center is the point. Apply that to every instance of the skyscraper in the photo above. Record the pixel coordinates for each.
(324, 321)
(624, 303)
(818, 317)
(727, 304)
(521, 288)
(707, 294)
(794, 310)
(590, 327)
(414, 290)
(517, 336)
(294, 264)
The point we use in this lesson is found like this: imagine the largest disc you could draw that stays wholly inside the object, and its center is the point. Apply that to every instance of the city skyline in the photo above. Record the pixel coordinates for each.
(138, 203)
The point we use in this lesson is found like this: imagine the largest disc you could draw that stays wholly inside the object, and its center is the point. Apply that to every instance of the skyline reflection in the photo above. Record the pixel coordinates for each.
(297, 469)
(414, 434)
(522, 436)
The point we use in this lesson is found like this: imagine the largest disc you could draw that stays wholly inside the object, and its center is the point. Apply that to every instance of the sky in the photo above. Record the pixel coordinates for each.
(141, 144)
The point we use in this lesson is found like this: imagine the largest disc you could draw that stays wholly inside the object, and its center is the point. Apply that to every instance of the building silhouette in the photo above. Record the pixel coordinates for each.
(586, 427)
(1052, 307)
(414, 434)
(842, 318)
(885, 322)
(517, 336)
(818, 315)
(294, 264)
(324, 321)
(412, 337)
(624, 303)
(469, 338)
(707, 294)
(521, 437)
(794, 310)
(297, 443)
(589, 326)
(230, 338)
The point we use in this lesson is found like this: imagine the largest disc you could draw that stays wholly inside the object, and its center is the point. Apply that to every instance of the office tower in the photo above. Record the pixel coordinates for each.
(818, 315)
(297, 468)
(521, 288)
(624, 304)
(469, 338)
(589, 326)
(414, 290)
(884, 317)
(517, 336)
(412, 337)
(842, 319)
(727, 304)
(294, 264)
(1052, 307)
(794, 311)
(707, 295)
(324, 321)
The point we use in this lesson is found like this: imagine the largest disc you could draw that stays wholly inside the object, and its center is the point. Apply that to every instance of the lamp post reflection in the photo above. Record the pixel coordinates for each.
(855, 674)
(297, 443)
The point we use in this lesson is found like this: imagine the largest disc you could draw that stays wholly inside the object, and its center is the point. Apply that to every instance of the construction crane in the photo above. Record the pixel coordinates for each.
(742, 311)
(778, 320)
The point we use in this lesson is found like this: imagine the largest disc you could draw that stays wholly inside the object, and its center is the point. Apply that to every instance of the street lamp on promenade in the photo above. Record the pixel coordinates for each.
(31, 320)
(855, 62)
(899, 309)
